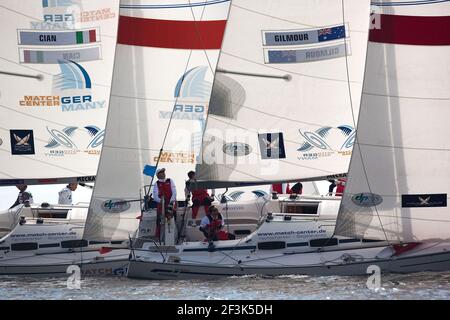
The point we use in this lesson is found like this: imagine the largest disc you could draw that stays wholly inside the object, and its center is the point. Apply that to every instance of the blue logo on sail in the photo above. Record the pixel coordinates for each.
(72, 76)
(327, 140)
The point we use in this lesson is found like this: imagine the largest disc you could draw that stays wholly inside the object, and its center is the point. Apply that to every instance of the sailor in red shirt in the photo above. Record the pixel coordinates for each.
(340, 186)
(280, 188)
(200, 197)
(164, 191)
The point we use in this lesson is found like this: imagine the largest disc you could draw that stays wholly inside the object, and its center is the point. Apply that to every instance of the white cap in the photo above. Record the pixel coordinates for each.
(160, 170)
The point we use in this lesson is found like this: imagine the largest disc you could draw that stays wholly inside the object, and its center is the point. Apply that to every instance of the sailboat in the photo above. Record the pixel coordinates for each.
(55, 77)
(283, 108)
(138, 115)
(161, 88)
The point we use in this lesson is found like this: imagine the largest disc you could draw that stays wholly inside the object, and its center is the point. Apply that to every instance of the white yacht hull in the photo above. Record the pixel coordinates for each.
(56, 265)
(313, 263)
(49, 240)
(283, 245)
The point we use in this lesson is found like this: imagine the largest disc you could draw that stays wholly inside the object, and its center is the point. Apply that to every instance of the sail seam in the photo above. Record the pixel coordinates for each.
(405, 97)
(401, 147)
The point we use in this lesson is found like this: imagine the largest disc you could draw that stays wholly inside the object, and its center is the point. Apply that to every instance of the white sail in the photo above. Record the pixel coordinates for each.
(287, 79)
(56, 62)
(165, 61)
(399, 175)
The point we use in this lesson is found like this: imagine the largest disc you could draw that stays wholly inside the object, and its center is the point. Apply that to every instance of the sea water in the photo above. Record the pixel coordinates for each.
(391, 287)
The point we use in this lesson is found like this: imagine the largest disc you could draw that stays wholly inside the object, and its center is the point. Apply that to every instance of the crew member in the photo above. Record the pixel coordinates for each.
(24, 197)
(65, 195)
(165, 192)
(200, 197)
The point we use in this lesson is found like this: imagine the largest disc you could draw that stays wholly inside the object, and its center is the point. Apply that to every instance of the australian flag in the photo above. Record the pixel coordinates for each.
(272, 145)
(282, 56)
(330, 34)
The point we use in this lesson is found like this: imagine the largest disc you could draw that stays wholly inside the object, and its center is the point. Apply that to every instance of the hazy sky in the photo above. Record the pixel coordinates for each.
(44, 193)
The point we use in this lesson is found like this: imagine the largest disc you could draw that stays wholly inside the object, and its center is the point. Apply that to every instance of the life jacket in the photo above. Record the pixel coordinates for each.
(340, 186)
(211, 218)
(165, 190)
(199, 194)
(278, 188)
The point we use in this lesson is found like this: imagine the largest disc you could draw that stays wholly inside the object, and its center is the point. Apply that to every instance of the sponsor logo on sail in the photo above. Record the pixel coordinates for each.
(176, 157)
(72, 91)
(60, 11)
(86, 179)
(96, 15)
(58, 38)
(115, 206)
(326, 142)
(192, 93)
(306, 55)
(61, 142)
(51, 56)
(305, 36)
(424, 200)
(367, 199)
(22, 142)
(272, 145)
(237, 149)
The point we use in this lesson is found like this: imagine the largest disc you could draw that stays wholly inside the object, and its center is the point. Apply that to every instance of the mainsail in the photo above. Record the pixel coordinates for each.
(163, 74)
(399, 175)
(286, 92)
(56, 62)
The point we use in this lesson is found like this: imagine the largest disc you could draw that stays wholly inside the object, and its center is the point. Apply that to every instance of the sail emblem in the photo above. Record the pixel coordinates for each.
(367, 199)
(61, 138)
(22, 142)
(72, 76)
(97, 136)
(424, 200)
(193, 84)
(59, 3)
(192, 93)
(237, 149)
(272, 145)
(328, 140)
(115, 206)
(64, 138)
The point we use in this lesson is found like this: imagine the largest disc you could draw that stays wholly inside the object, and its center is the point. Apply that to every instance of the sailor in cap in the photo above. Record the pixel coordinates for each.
(165, 192)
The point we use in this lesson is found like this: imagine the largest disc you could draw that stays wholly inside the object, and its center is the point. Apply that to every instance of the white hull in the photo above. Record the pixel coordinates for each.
(157, 270)
(283, 247)
(313, 263)
(50, 240)
(56, 265)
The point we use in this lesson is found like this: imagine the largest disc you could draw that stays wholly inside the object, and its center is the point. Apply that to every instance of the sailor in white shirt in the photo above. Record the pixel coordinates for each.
(65, 195)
